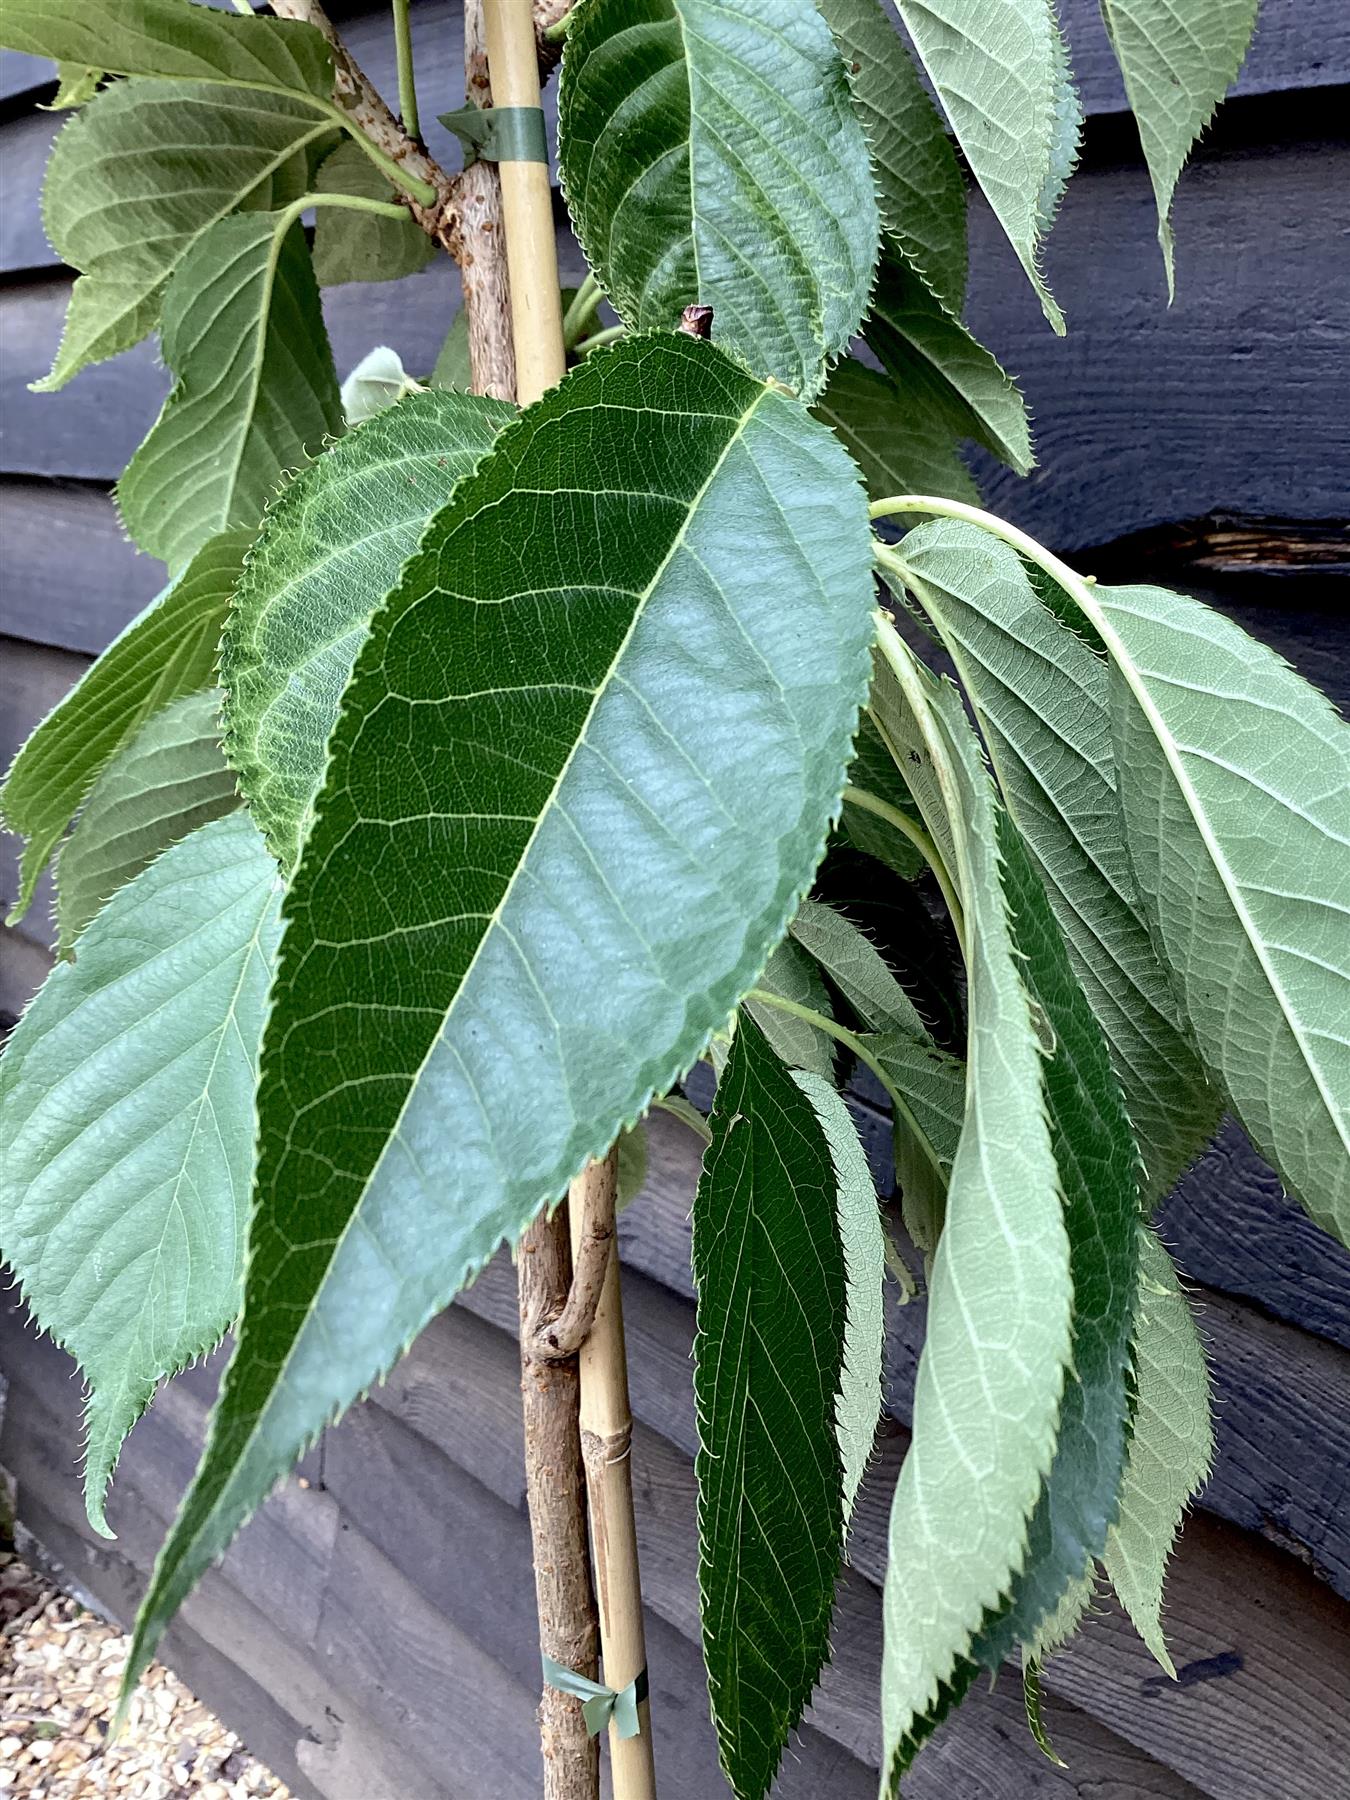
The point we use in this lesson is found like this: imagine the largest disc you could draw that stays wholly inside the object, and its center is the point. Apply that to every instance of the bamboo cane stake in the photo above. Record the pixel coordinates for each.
(606, 1449)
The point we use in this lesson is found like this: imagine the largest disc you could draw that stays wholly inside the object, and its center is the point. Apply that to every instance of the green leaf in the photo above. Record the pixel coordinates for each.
(167, 781)
(167, 650)
(795, 1041)
(1099, 1177)
(583, 771)
(1234, 782)
(632, 1164)
(256, 393)
(858, 1405)
(1000, 74)
(1177, 67)
(1043, 702)
(875, 794)
(768, 1357)
(378, 380)
(1171, 1446)
(75, 86)
(137, 177)
(127, 1131)
(948, 380)
(920, 188)
(857, 969)
(709, 152)
(900, 447)
(986, 1405)
(452, 368)
(174, 41)
(362, 246)
(330, 549)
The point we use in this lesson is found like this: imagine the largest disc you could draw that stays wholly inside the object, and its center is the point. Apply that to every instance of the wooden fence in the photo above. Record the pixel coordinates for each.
(371, 1633)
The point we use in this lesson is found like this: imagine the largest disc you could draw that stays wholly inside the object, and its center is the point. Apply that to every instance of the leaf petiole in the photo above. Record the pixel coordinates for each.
(581, 311)
(407, 90)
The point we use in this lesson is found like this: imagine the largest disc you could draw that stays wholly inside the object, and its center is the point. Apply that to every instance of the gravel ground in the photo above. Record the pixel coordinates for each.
(59, 1669)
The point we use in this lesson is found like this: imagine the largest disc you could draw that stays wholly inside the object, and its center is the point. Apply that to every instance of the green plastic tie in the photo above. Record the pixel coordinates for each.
(600, 1703)
(499, 133)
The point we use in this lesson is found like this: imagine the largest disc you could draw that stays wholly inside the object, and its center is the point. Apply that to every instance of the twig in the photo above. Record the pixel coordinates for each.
(565, 1335)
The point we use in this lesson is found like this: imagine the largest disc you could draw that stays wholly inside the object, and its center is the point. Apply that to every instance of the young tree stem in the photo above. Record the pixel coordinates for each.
(479, 246)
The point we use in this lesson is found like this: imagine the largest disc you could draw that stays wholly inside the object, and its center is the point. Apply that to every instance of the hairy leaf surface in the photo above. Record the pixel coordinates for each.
(1099, 1177)
(999, 70)
(584, 769)
(770, 1273)
(137, 177)
(920, 188)
(858, 1404)
(792, 975)
(256, 393)
(987, 1399)
(167, 781)
(175, 41)
(710, 152)
(947, 379)
(1043, 699)
(127, 1136)
(898, 445)
(1178, 63)
(1234, 780)
(167, 650)
(350, 245)
(330, 549)
(1171, 1445)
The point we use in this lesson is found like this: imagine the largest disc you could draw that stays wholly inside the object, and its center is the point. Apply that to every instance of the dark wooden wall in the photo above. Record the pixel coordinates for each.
(371, 1633)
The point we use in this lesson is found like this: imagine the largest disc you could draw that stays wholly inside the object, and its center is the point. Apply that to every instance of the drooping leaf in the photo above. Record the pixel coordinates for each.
(709, 152)
(167, 650)
(879, 810)
(1171, 1446)
(330, 549)
(1043, 701)
(452, 368)
(1234, 783)
(1099, 1177)
(126, 1126)
(584, 768)
(351, 245)
(795, 1041)
(1064, 139)
(858, 1404)
(139, 175)
(768, 1357)
(1177, 67)
(987, 1398)
(378, 380)
(256, 393)
(945, 376)
(632, 1164)
(169, 779)
(174, 41)
(857, 969)
(920, 188)
(999, 73)
(896, 442)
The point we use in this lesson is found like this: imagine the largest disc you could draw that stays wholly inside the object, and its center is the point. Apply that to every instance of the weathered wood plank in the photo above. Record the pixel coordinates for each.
(71, 579)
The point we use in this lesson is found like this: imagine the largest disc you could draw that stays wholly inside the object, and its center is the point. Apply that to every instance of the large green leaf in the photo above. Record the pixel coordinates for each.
(256, 393)
(946, 377)
(709, 152)
(1178, 63)
(583, 771)
(353, 245)
(175, 41)
(127, 1126)
(920, 188)
(900, 447)
(1099, 1176)
(1043, 700)
(137, 177)
(859, 1401)
(1171, 1445)
(167, 650)
(999, 71)
(768, 1358)
(167, 781)
(330, 549)
(1234, 783)
(987, 1399)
